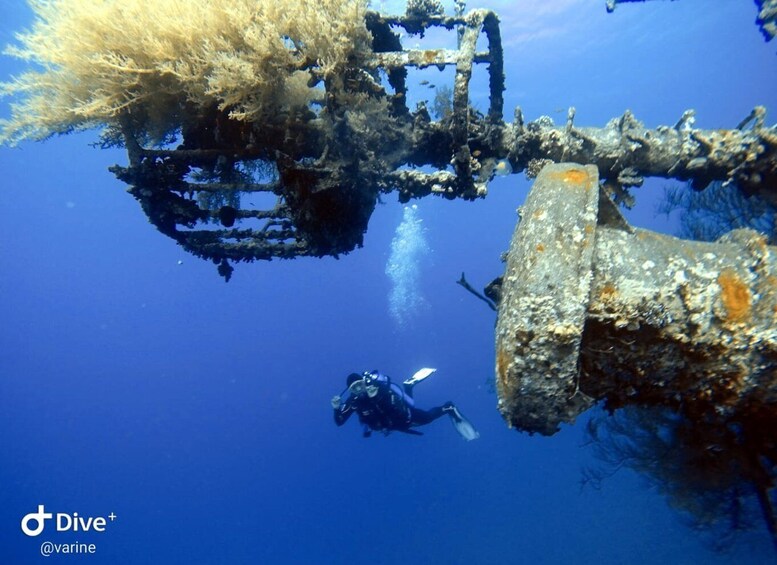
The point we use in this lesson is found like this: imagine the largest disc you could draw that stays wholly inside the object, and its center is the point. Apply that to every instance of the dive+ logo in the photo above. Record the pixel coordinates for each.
(64, 522)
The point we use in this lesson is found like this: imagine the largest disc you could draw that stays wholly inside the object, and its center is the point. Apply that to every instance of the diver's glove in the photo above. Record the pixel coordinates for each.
(336, 401)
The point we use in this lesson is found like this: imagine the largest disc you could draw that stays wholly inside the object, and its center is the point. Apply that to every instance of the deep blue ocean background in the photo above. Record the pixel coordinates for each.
(133, 380)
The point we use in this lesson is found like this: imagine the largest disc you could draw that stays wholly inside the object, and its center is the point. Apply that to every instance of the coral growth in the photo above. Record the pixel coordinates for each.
(163, 62)
(720, 474)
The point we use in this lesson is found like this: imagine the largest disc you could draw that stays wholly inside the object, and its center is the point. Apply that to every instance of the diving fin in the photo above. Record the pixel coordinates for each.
(462, 425)
(419, 376)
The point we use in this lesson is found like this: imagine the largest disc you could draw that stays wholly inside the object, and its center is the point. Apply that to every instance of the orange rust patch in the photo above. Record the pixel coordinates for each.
(538, 213)
(573, 176)
(430, 56)
(608, 292)
(589, 229)
(576, 176)
(735, 296)
(502, 360)
(540, 247)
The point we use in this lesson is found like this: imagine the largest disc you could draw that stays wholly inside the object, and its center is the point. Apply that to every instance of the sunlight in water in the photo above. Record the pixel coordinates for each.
(404, 265)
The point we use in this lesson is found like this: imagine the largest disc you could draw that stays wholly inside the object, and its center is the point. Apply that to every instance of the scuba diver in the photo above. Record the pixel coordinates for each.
(384, 406)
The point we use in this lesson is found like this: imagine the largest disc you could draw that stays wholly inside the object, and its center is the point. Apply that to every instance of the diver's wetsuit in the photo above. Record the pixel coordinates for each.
(391, 409)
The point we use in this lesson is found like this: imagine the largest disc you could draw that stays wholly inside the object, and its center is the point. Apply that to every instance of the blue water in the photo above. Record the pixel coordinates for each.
(198, 412)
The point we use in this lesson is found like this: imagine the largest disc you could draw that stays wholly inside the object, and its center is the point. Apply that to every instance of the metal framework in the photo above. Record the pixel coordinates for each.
(322, 170)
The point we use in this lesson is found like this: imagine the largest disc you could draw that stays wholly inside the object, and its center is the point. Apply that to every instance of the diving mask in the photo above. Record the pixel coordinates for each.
(362, 387)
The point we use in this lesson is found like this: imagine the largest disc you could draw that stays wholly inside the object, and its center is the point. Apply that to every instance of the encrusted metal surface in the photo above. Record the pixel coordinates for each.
(324, 167)
(595, 310)
(674, 321)
(545, 291)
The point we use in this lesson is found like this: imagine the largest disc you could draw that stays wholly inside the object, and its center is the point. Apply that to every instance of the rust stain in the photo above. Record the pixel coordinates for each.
(578, 177)
(608, 292)
(430, 56)
(540, 247)
(735, 296)
(502, 361)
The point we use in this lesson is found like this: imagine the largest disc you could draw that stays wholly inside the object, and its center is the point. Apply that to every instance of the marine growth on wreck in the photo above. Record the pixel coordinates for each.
(303, 107)
(222, 104)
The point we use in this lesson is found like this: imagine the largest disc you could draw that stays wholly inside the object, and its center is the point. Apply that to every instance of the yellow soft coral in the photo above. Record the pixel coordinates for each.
(157, 61)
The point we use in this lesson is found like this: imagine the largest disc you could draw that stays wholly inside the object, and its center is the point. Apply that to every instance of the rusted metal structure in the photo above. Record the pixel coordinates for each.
(669, 323)
(589, 308)
(318, 172)
(593, 309)
(326, 168)
(682, 333)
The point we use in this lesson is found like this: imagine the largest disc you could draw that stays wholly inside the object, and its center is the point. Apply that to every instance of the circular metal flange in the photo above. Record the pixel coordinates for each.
(545, 294)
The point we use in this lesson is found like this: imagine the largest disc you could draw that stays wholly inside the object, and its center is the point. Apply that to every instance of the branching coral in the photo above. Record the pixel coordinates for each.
(161, 62)
(708, 214)
(720, 474)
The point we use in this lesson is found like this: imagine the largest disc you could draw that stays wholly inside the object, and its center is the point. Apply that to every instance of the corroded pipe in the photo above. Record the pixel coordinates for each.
(593, 309)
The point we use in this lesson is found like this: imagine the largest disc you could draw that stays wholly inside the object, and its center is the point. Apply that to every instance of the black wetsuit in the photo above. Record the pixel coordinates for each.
(391, 409)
